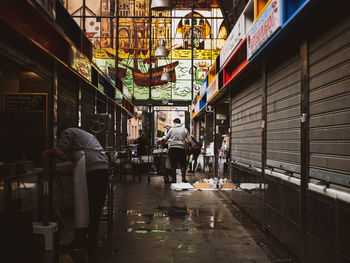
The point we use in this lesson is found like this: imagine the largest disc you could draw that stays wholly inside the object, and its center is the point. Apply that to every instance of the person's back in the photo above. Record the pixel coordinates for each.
(96, 163)
(73, 139)
(177, 136)
(195, 144)
(142, 145)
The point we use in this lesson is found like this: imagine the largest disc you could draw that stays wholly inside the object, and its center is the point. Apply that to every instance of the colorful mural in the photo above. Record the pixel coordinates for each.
(192, 35)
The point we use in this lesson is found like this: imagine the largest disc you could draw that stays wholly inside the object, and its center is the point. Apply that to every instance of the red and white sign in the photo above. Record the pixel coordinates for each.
(232, 41)
(196, 109)
(263, 28)
(212, 89)
(203, 88)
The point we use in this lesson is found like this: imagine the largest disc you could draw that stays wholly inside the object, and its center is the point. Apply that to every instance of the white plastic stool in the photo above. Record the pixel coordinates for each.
(47, 231)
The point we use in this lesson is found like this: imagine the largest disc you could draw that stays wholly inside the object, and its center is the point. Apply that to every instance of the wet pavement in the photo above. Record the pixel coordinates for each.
(155, 224)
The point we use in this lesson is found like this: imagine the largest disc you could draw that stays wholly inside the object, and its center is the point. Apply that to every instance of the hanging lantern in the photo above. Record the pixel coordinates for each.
(165, 76)
(161, 51)
(161, 5)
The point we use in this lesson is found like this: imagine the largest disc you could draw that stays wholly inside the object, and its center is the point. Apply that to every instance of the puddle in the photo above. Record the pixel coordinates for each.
(158, 214)
(147, 230)
(196, 218)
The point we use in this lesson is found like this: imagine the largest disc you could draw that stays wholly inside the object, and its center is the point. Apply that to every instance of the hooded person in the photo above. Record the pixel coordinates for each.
(178, 137)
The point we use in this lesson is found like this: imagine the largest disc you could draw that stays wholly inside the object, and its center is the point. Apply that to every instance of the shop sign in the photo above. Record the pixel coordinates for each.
(213, 88)
(201, 71)
(232, 41)
(80, 63)
(202, 103)
(263, 28)
(118, 96)
(25, 102)
(196, 109)
(203, 89)
(209, 108)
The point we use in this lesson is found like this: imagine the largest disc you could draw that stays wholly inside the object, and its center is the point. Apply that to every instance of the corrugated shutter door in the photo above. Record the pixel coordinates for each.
(67, 105)
(111, 133)
(197, 127)
(246, 123)
(118, 128)
(124, 120)
(101, 107)
(283, 111)
(209, 129)
(87, 105)
(329, 73)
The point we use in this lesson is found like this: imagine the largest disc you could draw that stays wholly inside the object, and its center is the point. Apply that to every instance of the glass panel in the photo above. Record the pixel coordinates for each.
(162, 92)
(93, 8)
(183, 70)
(181, 90)
(74, 6)
(126, 8)
(187, 27)
(80, 63)
(163, 14)
(201, 69)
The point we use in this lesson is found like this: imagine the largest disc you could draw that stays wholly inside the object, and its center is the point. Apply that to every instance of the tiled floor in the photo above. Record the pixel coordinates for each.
(155, 224)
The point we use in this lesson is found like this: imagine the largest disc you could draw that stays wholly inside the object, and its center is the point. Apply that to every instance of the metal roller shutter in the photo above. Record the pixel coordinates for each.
(246, 115)
(197, 128)
(111, 132)
(283, 111)
(87, 105)
(118, 125)
(124, 135)
(67, 105)
(329, 83)
(101, 107)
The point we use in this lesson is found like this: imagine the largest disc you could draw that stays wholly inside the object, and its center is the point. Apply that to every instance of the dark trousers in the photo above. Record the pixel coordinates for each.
(177, 155)
(195, 154)
(97, 188)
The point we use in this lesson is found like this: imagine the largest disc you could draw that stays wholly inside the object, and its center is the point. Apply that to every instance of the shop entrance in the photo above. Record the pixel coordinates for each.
(163, 119)
(222, 138)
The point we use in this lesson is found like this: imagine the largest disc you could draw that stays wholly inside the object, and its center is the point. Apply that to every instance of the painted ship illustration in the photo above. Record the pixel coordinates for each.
(140, 71)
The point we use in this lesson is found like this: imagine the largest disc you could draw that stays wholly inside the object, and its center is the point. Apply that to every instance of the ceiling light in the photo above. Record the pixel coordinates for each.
(161, 5)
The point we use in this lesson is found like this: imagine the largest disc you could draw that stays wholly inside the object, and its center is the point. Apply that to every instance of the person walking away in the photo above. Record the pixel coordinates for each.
(196, 150)
(142, 144)
(97, 171)
(177, 137)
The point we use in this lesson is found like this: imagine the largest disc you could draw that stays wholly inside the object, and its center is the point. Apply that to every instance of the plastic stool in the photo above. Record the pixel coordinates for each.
(47, 231)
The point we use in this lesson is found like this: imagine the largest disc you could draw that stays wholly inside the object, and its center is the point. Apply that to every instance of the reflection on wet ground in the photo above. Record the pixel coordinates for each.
(156, 224)
(193, 219)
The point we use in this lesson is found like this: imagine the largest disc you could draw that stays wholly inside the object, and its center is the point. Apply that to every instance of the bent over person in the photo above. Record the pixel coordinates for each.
(97, 169)
(177, 137)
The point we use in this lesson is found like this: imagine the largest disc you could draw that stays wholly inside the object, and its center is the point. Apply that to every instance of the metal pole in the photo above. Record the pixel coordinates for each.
(117, 46)
(216, 147)
(192, 50)
(263, 124)
(150, 133)
(84, 14)
(45, 191)
(230, 94)
(150, 53)
(52, 132)
(304, 180)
